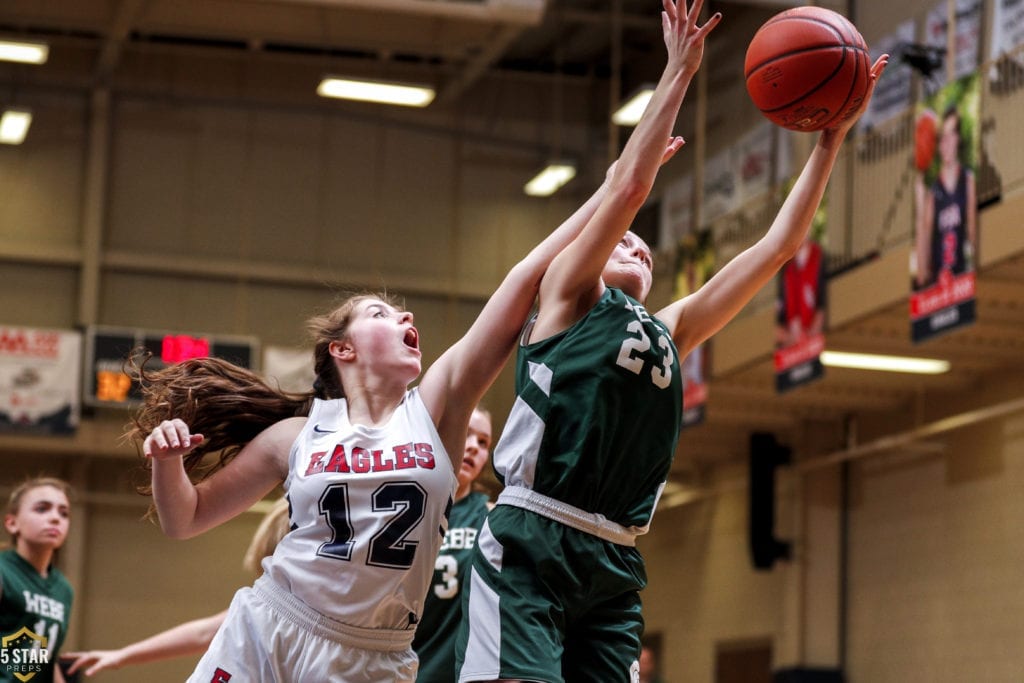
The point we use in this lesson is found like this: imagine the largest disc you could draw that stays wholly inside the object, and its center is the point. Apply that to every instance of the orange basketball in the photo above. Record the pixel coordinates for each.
(924, 139)
(807, 68)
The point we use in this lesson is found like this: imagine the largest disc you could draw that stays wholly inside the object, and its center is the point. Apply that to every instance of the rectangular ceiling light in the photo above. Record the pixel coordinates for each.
(14, 126)
(23, 52)
(869, 361)
(547, 182)
(630, 112)
(383, 92)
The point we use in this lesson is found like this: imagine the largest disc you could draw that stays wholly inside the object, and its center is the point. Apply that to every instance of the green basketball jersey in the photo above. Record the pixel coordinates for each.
(597, 413)
(40, 605)
(442, 610)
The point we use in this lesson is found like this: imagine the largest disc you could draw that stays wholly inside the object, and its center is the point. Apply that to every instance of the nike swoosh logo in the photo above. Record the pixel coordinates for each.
(316, 428)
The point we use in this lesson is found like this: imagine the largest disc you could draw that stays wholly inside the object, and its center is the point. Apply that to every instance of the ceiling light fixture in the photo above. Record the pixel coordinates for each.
(14, 126)
(869, 361)
(632, 109)
(24, 52)
(382, 92)
(547, 182)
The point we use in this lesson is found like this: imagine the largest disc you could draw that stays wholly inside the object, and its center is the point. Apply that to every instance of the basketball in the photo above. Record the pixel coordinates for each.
(807, 68)
(924, 139)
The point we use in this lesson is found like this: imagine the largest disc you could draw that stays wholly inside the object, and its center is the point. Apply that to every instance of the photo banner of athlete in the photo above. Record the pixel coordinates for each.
(800, 318)
(946, 231)
(695, 264)
(801, 307)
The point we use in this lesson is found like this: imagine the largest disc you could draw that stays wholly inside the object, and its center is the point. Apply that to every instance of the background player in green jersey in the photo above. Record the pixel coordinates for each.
(442, 611)
(35, 598)
(554, 589)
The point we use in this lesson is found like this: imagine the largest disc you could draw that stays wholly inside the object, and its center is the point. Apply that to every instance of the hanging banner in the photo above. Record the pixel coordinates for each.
(39, 387)
(695, 264)
(946, 228)
(801, 308)
(1007, 34)
(676, 220)
(720, 185)
(967, 38)
(752, 158)
(892, 92)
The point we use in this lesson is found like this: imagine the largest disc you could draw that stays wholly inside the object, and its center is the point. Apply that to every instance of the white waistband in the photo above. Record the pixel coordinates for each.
(301, 614)
(590, 522)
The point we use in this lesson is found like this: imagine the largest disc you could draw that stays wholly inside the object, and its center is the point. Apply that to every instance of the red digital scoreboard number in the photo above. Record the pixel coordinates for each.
(175, 348)
(107, 348)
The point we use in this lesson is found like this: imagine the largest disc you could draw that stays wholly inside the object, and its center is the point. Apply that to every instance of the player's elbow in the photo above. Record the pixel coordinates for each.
(177, 531)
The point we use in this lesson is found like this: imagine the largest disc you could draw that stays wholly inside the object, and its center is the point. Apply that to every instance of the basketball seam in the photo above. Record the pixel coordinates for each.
(813, 20)
(853, 82)
(815, 89)
(810, 48)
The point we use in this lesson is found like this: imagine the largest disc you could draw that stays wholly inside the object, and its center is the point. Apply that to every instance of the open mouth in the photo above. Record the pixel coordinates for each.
(412, 338)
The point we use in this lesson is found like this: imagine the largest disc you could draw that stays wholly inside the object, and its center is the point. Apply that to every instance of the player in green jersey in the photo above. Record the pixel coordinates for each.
(554, 589)
(35, 598)
(442, 611)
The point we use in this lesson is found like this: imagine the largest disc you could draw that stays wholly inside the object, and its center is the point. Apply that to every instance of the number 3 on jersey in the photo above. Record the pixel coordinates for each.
(660, 376)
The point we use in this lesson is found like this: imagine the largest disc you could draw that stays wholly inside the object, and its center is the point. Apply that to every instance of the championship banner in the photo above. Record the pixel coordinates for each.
(695, 264)
(942, 265)
(39, 380)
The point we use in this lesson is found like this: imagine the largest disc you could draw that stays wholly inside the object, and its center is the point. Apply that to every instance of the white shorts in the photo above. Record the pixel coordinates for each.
(269, 635)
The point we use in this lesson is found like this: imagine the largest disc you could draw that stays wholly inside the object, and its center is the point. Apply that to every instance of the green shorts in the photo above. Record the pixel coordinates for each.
(546, 602)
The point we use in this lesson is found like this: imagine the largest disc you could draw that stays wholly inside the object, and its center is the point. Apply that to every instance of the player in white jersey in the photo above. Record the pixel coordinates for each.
(367, 466)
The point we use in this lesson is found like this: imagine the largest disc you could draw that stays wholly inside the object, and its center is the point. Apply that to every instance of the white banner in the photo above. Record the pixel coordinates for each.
(676, 220)
(40, 373)
(967, 40)
(752, 159)
(1007, 26)
(892, 94)
(720, 196)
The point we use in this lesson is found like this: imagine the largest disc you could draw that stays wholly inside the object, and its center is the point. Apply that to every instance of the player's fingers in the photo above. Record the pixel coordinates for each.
(709, 25)
(879, 66)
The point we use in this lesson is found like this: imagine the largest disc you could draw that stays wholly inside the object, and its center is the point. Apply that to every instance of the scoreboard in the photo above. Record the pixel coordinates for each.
(107, 349)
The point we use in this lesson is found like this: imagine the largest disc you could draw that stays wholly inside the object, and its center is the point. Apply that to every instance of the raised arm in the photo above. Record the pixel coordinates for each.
(456, 382)
(192, 637)
(186, 509)
(573, 282)
(699, 315)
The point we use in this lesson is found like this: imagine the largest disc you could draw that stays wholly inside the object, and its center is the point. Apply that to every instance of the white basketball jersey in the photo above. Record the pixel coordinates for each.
(368, 509)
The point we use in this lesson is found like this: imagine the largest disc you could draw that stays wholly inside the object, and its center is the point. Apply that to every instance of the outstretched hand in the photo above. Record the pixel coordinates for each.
(96, 660)
(683, 38)
(170, 439)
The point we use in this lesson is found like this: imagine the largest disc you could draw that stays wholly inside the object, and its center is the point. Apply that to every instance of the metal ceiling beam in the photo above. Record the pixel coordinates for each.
(524, 12)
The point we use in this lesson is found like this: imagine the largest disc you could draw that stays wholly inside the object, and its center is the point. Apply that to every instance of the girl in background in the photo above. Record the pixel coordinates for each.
(34, 595)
